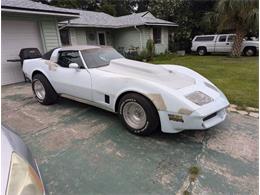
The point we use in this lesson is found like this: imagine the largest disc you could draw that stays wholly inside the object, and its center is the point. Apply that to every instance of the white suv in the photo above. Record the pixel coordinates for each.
(222, 43)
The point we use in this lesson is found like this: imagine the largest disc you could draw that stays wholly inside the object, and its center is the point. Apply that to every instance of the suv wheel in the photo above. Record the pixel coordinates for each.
(202, 51)
(43, 91)
(138, 114)
(249, 51)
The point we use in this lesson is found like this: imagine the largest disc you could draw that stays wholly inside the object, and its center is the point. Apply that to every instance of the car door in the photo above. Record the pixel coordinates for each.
(73, 82)
(230, 42)
(221, 44)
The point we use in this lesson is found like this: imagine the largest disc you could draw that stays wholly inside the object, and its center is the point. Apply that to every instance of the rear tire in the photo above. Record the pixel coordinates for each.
(138, 114)
(43, 91)
(202, 51)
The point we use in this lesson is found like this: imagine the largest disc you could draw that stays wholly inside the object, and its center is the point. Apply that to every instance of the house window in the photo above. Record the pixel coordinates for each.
(157, 35)
(65, 37)
(90, 36)
(101, 38)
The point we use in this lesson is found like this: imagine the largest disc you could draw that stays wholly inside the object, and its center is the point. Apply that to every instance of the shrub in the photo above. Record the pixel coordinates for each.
(143, 55)
(150, 48)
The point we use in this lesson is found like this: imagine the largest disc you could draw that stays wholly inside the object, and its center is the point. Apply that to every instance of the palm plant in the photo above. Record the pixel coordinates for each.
(239, 16)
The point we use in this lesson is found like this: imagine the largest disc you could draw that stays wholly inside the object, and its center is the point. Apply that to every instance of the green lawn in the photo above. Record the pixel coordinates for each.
(236, 77)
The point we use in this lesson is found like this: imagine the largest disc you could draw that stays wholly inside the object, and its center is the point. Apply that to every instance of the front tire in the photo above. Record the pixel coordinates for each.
(250, 51)
(43, 91)
(138, 114)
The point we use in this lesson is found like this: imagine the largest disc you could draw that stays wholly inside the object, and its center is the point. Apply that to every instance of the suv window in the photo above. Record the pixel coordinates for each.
(222, 38)
(206, 38)
(231, 38)
(67, 57)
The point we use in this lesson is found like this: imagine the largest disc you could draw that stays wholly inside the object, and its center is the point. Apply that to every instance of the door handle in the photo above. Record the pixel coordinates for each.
(227, 43)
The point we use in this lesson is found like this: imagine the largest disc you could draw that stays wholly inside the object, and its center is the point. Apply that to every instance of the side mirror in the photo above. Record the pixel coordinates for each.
(74, 65)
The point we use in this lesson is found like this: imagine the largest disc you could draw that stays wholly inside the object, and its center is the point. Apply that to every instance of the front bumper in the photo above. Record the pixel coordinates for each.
(205, 117)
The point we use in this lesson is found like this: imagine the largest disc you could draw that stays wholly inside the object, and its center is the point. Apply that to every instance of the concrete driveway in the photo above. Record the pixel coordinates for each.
(85, 150)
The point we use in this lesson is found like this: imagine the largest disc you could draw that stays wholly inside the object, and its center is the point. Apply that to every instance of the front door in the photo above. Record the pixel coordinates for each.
(71, 81)
(222, 44)
(230, 42)
(101, 38)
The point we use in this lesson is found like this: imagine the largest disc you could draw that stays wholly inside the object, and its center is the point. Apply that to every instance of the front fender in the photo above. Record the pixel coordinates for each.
(114, 85)
(162, 99)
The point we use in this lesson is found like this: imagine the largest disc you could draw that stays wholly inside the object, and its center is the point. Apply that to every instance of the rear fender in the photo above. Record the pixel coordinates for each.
(32, 66)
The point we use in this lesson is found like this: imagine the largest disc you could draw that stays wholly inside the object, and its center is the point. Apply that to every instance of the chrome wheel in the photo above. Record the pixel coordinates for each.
(39, 89)
(134, 115)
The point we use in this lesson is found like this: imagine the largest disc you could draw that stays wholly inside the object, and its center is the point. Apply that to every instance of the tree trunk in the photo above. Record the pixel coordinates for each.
(236, 49)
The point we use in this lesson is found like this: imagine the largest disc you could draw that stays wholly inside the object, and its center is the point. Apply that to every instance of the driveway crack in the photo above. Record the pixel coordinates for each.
(191, 179)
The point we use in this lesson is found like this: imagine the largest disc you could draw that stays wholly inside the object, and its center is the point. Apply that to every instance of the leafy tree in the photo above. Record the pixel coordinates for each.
(239, 17)
(112, 7)
(108, 8)
(126, 7)
(137, 6)
(209, 22)
(122, 7)
(198, 10)
(91, 5)
(187, 14)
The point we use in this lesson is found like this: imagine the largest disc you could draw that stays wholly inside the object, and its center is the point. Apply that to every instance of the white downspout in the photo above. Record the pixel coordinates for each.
(141, 40)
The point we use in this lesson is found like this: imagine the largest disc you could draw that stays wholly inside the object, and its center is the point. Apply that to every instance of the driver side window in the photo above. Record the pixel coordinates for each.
(222, 38)
(67, 57)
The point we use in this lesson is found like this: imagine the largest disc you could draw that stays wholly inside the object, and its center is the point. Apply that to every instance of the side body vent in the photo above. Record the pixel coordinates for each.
(107, 99)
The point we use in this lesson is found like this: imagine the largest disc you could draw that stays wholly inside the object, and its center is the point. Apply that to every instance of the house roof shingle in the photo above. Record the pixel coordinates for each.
(143, 18)
(93, 19)
(35, 6)
(88, 18)
(103, 20)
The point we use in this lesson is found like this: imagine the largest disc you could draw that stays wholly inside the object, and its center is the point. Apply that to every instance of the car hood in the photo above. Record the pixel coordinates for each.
(155, 73)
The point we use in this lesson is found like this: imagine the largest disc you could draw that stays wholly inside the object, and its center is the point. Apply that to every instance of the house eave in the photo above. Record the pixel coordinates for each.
(40, 12)
(87, 26)
(160, 24)
(116, 26)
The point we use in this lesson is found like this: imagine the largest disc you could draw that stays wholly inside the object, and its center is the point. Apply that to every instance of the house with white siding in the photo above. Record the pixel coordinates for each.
(125, 33)
(29, 24)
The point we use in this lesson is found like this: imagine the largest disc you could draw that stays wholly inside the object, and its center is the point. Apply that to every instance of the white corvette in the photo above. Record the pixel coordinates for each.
(147, 97)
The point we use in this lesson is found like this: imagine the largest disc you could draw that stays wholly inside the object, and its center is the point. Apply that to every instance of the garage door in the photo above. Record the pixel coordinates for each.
(16, 35)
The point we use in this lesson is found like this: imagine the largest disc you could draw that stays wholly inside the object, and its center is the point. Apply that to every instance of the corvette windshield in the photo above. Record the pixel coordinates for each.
(95, 58)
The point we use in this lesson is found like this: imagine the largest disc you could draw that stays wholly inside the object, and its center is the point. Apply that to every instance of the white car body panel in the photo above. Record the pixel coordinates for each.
(221, 47)
(165, 85)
